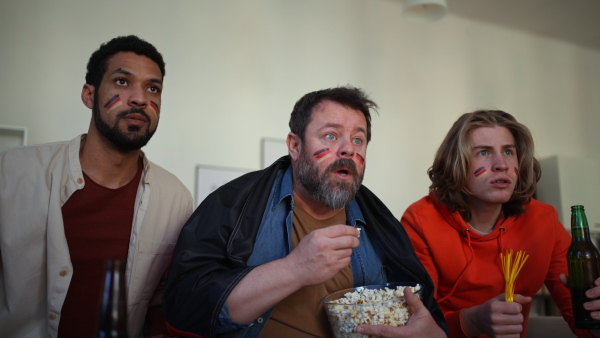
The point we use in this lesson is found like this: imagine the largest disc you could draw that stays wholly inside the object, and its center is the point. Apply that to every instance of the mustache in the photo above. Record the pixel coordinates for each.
(343, 163)
(134, 110)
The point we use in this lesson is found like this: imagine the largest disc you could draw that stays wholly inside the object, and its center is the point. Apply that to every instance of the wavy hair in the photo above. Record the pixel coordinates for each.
(450, 169)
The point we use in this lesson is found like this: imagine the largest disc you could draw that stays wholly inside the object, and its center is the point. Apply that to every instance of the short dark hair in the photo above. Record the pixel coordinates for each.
(449, 172)
(347, 96)
(98, 62)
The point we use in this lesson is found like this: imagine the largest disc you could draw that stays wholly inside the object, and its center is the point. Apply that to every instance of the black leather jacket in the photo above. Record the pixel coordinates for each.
(215, 243)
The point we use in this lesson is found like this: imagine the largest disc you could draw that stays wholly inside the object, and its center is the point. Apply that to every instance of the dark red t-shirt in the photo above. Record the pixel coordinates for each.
(98, 224)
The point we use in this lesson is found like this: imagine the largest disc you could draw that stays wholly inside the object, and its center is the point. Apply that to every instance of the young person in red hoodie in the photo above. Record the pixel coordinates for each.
(480, 205)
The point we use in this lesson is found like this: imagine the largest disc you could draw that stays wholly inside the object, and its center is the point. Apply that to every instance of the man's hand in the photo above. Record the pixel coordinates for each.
(317, 258)
(322, 253)
(496, 317)
(420, 323)
(592, 305)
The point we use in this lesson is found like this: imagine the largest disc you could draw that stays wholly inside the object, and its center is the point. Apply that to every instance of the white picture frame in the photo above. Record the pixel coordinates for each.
(271, 150)
(12, 136)
(209, 178)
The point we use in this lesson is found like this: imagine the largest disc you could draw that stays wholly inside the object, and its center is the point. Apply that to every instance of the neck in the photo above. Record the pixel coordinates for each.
(315, 209)
(484, 219)
(106, 165)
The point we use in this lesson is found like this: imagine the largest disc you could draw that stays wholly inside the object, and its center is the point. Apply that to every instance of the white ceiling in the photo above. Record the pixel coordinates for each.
(575, 21)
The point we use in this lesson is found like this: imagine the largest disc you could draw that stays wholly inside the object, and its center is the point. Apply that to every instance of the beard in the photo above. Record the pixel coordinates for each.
(334, 194)
(128, 140)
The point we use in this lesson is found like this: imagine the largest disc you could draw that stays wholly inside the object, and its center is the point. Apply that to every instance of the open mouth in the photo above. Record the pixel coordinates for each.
(501, 182)
(343, 172)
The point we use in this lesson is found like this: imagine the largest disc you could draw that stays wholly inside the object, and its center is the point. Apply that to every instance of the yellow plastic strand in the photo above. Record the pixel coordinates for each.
(511, 268)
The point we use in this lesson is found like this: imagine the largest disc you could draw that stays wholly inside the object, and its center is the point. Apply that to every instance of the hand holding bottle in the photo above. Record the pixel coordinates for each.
(583, 260)
(591, 305)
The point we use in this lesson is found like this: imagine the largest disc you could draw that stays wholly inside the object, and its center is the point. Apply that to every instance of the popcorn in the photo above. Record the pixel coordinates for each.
(384, 306)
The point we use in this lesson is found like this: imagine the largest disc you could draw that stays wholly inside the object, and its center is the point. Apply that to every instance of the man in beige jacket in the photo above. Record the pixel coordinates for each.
(65, 207)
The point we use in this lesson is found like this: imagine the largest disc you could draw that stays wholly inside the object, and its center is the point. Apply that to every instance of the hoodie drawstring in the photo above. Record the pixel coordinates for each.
(501, 231)
(467, 231)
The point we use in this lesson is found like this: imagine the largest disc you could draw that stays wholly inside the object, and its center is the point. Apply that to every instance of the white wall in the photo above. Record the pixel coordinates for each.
(235, 68)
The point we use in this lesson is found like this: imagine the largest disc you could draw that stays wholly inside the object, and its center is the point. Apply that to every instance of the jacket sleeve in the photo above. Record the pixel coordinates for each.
(560, 294)
(211, 253)
(201, 276)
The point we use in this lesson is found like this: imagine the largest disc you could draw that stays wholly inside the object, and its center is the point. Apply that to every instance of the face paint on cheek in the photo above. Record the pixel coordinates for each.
(480, 171)
(516, 172)
(154, 109)
(113, 103)
(360, 159)
(322, 154)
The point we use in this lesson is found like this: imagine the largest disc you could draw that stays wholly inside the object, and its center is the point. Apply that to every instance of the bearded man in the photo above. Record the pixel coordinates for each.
(66, 207)
(260, 253)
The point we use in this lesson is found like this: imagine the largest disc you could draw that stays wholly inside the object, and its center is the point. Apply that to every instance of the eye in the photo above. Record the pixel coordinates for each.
(330, 137)
(483, 153)
(508, 152)
(357, 141)
(121, 81)
(154, 89)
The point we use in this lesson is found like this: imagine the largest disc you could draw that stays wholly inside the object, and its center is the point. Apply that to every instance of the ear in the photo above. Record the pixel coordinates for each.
(294, 145)
(87, 95)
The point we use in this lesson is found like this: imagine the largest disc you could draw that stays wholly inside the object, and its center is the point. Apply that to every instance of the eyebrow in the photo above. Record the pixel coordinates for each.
(121, 71)
(337, 125)
(490, 147)
(128, 73)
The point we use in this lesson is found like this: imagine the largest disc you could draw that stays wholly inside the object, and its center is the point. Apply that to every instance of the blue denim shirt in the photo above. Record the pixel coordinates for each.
(274, 241)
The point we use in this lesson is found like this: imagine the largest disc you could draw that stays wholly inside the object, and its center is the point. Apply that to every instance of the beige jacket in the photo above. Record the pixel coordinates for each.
(35, 266)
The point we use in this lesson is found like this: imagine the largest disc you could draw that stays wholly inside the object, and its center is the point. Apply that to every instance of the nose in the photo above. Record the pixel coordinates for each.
(499, 164)
(346, 148)
(138, 97)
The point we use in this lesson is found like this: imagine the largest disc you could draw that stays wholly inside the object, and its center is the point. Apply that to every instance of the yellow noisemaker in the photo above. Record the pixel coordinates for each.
(511, 266)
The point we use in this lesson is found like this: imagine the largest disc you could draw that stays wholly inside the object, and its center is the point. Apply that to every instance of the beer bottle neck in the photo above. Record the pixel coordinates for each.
(580, 234)
(579, 226)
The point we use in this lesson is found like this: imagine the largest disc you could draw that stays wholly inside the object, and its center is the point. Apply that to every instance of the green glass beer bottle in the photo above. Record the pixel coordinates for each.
(582, 259)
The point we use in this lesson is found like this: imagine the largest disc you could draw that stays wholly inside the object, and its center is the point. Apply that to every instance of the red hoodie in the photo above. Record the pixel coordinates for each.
(466, 268)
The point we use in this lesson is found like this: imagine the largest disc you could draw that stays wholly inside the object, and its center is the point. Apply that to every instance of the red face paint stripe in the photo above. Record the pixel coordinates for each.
(479, 171)
(112, 101)
(360, 158)
(516, 171)
(154, 105)
(321, 153)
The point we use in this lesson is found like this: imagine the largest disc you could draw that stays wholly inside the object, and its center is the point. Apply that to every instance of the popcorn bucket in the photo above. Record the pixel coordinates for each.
(373, 304)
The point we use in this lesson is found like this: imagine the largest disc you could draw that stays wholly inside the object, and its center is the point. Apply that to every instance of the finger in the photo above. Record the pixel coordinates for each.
(341, 254)
(593, 292)
(522, 299)
(413, 301)
(592, 305)
(596, 316)
(508, 331)
(565, 280)
(339, 230)
(501, 297)
(379, 330)
(346, 242)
